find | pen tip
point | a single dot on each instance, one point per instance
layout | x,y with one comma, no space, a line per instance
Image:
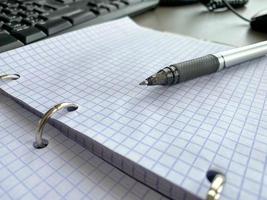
145,82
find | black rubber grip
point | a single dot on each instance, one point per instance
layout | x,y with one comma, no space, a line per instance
197,67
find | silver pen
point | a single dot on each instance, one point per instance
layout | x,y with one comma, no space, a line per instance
208,64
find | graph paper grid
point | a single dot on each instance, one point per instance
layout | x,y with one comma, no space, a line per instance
166,137
64,170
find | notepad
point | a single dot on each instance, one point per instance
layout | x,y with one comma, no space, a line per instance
165,137
64,170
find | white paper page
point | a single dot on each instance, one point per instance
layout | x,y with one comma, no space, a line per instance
217,121
64,170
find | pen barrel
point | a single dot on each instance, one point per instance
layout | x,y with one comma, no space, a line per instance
194,68
242,54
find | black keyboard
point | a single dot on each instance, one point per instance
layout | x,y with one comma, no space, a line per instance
26,21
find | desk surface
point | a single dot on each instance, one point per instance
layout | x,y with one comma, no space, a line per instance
196,21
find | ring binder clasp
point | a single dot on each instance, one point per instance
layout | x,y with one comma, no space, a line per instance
9,77
216,187
39,141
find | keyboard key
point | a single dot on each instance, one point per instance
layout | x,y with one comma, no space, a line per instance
2,30
59,14
29,35
8,42
99,11
12,25
54,26
108,7
31,21
10,11
9,4
55,6
28,13
65,1
92,3
9,17
42,10
39,4
80,17
130,2
4,18
28,7
118,4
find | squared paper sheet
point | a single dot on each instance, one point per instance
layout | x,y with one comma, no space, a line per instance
64,170
176,133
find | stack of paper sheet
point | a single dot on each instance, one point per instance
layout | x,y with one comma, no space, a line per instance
64,170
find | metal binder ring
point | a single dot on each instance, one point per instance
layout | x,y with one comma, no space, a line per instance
10,77
39,141
216,187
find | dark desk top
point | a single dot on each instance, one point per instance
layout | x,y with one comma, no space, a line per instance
196,21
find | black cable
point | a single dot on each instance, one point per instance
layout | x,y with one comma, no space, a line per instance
234,11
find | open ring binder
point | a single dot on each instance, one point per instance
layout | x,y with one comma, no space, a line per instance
9,77
39,141
216,187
